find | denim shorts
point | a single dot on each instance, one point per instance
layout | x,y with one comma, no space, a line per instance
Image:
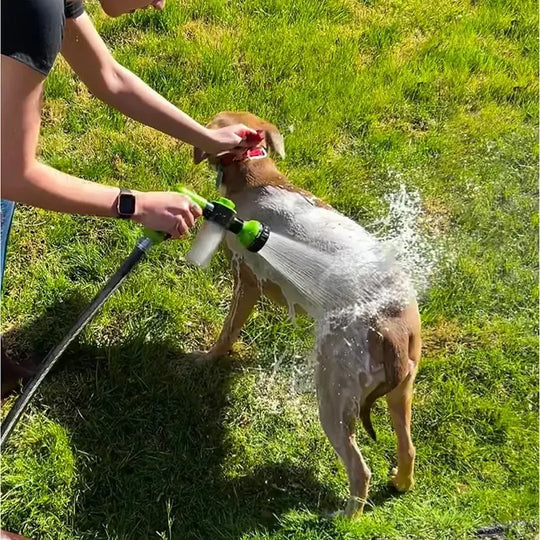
6,216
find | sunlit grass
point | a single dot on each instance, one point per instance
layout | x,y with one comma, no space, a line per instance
130,439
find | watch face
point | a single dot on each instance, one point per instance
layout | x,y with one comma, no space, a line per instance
126,204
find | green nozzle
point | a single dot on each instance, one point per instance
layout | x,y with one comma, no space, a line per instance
221,211
196,198
155,236
249,232
226,202
253,235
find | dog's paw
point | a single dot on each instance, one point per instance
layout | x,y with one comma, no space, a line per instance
204,357
335,514
353,509
401,483
218,352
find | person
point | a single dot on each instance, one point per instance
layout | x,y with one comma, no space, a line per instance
33,33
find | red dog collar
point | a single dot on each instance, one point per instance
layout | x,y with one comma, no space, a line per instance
246,154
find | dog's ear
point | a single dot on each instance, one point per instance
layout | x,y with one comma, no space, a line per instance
274,140
198,155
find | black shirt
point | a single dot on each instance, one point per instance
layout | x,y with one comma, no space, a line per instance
32,30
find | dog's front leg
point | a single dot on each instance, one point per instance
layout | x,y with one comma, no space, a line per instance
245,296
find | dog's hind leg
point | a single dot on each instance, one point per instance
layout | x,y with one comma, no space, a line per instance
399,404
337,414
245,296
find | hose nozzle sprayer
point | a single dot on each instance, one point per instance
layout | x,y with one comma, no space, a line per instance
220,216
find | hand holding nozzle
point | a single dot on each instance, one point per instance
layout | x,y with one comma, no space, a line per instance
171,213
221,212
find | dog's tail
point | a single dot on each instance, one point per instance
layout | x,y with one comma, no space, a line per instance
389,343
365,409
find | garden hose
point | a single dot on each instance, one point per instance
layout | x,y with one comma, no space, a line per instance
251,234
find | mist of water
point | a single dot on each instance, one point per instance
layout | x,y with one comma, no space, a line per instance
329,281
360,280
404,232
305,267
398,264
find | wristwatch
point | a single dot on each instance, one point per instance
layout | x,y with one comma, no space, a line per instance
125,204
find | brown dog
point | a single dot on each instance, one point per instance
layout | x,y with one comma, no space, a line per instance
360,357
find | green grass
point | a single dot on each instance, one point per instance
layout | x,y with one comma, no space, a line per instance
128,438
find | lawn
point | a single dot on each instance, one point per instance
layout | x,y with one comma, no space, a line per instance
129,438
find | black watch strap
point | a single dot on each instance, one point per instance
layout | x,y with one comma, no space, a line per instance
125,204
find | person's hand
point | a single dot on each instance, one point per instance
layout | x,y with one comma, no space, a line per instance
158,4
226,138
166,211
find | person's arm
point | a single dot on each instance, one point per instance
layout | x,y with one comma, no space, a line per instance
25,179
90,58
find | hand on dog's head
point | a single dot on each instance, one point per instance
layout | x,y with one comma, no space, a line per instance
272,137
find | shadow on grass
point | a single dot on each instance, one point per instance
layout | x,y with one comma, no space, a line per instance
150,431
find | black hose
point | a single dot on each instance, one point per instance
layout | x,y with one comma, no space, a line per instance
50,360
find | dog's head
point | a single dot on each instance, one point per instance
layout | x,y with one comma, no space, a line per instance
273,139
